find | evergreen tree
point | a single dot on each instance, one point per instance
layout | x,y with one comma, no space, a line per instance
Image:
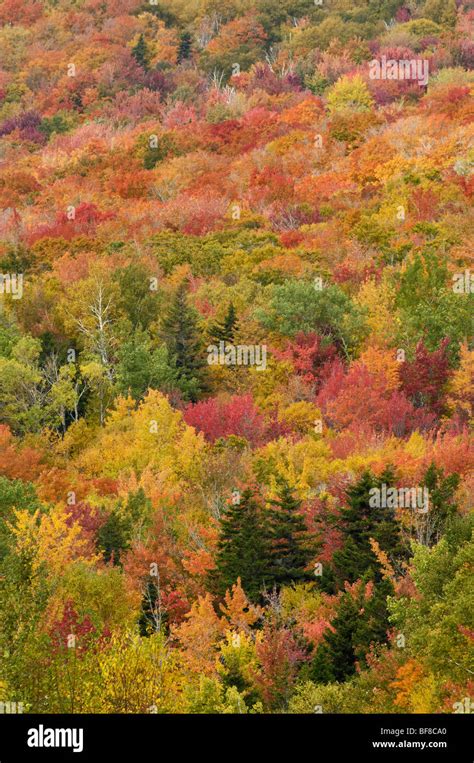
291,546
373,624
140,52
335,657
359,522
359,622
185,44
243,549
180,333
224,331
113,538
140,367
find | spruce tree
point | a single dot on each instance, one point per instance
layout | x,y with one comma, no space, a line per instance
335,657
180,333
140,52
360,622
359,522
291,544
113,538
243,549
224,331
185,44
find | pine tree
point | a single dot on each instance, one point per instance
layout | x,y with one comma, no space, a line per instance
373,624
140,52
243,549
113,538
360,622
359,522
291,546
180,333
225,330
185,44
335,657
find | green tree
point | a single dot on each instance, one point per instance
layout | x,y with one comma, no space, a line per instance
185,46
442,506
441,12
243,549
291,544
299,306
180,332
140,367
335,657
361,620
140,52
429,308
113,538
20,387
224,330
63,396
136,299
438,621
360,522
24,646
14,494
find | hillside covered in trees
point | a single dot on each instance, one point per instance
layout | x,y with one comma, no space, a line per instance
236,356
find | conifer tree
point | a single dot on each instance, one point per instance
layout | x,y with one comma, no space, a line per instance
185,44
291,544
180,333
140,52
243,549
224,331
335,657
359,522
113,538
360,622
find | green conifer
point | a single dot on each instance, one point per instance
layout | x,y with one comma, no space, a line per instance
140,52
224,331
243,548
291,545
180,333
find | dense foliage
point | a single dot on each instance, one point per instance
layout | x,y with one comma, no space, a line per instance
236,356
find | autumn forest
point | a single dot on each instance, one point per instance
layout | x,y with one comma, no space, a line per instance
236,356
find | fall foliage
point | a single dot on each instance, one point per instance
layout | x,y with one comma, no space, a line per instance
236,356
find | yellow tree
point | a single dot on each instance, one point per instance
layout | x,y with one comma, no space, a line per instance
238,612
461,387
199,636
